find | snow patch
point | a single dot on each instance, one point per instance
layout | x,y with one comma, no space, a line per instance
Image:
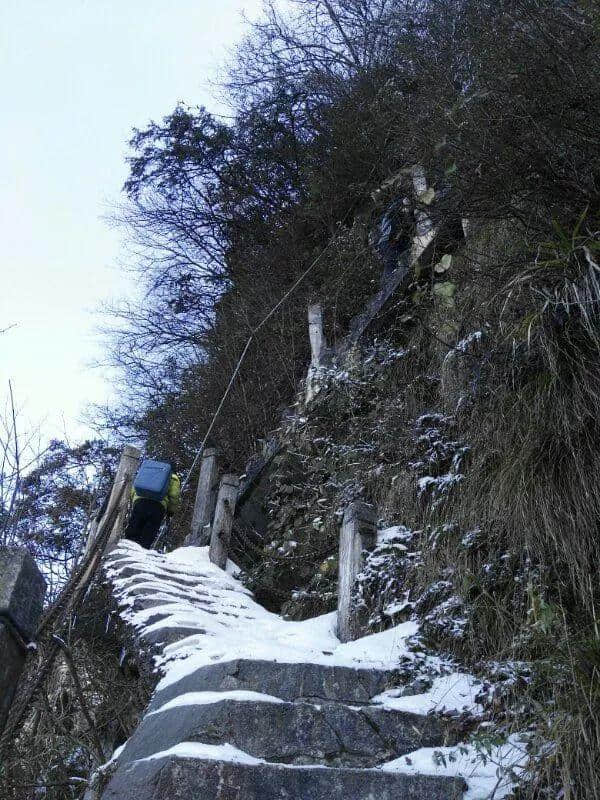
208,698
229,623
205,752
455,692
488,773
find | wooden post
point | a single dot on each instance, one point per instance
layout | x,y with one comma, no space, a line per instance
359,533
223,522
128,466
426,230
315,332
419,180
318,350
126,469
206,498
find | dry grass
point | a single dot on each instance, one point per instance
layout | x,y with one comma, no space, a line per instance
533,488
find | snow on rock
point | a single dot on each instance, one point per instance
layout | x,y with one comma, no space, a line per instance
490,772
206,698
395,535
192,614
466,344
398,606
206,752
218,620
455,692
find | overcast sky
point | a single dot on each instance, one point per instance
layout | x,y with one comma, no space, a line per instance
75,77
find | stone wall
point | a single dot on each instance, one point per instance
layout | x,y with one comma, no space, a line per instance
22,591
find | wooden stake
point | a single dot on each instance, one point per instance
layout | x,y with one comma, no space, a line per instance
126,469
315,332
223,522
128,466
359,533
206,498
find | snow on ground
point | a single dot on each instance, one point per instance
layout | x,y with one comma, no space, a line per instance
454,692
488,773
223,622
383,649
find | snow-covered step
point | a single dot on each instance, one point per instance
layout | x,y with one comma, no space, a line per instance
265,727
206,616
193,771
282,680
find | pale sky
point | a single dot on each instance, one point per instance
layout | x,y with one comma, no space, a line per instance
75,77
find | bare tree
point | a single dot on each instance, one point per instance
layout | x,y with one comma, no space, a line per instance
20,451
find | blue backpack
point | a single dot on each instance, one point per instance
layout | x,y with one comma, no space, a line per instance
152,480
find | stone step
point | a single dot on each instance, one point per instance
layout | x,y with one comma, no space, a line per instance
174,776
328,733
137,573
288,681
161,637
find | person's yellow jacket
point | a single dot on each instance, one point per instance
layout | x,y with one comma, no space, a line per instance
172,500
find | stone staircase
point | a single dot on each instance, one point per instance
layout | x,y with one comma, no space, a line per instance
313,735
227,727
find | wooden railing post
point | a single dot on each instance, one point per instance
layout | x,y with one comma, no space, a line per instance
318,351
359,533
223,521
126,469
426,230
22,590
128,466
316,335
206,498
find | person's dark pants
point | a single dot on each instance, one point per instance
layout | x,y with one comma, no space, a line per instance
144,522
